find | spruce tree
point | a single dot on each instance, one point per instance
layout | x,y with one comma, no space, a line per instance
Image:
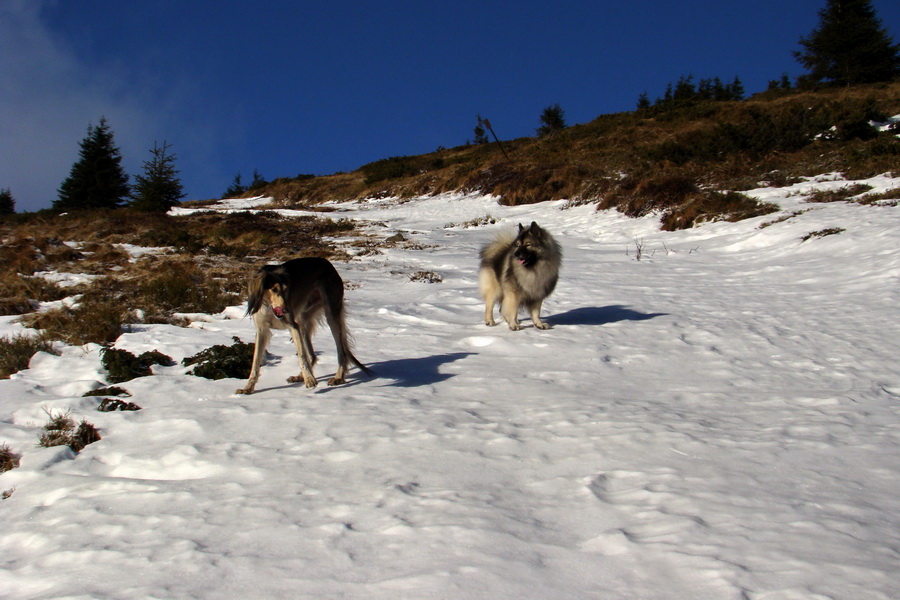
643,101
159,188
7,203
552,119
236,188
479,131
97,180
258,181
849,46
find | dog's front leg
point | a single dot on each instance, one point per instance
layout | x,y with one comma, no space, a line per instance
259,353
535,309
306,362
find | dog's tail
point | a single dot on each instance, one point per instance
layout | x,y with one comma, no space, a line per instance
361,366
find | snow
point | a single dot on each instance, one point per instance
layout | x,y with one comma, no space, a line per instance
720,419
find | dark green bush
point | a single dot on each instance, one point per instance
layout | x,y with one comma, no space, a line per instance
399,166
114,404
107,391
221,361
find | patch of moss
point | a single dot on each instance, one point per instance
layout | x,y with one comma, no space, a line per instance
125,366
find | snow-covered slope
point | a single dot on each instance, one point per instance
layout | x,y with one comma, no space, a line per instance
719,419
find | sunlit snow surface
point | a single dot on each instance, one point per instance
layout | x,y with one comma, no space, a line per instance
718,420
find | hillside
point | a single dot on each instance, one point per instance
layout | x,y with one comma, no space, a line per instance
671,157
714,414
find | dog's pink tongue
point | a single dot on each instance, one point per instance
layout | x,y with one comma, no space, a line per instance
279,312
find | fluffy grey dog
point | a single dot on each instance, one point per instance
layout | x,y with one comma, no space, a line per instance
519,269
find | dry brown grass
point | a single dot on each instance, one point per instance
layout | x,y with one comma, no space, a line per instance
16,352
203,267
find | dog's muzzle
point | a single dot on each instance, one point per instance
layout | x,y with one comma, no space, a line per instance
279,312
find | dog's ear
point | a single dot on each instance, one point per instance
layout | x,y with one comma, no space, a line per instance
521,229
535,229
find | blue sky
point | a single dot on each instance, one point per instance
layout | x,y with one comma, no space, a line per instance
300,87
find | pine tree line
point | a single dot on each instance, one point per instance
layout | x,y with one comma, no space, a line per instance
98,181
686,92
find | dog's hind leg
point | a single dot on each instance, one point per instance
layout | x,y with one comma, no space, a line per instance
334,315
304,352
263,335
490,291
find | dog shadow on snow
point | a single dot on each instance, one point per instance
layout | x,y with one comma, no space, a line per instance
402,372
415,372
597,315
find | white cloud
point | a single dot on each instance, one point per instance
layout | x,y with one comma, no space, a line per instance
47,100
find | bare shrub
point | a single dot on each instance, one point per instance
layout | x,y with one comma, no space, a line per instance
426,277
95,319
60,430
180,286
715,206
9,460
839,195
886,198
822,233
107,391
114,404
637,196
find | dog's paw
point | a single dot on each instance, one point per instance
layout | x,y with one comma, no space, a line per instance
542,325
336,381
515,327
243,391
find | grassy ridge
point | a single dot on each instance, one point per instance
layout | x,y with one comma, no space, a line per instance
627,160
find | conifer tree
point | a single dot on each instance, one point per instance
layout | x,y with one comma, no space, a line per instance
159,188
479,131
7,203
552,119
849,46
97,180
258,181
236,188
643,101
